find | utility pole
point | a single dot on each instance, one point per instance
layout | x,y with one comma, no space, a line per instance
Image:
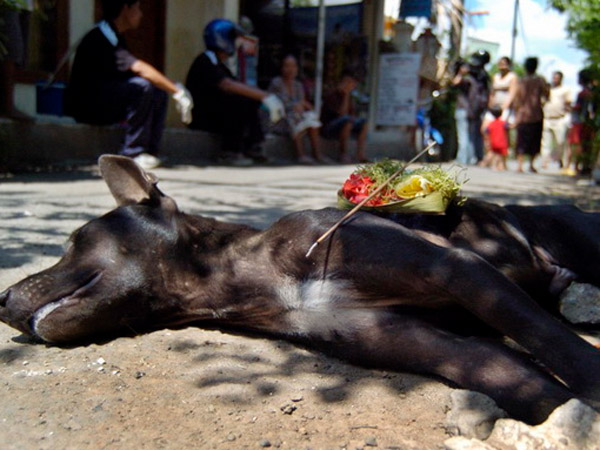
514,31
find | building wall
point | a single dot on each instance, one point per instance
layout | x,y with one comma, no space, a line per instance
81,19
184,24
185,21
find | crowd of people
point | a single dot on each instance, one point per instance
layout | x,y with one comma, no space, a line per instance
547,122
109,85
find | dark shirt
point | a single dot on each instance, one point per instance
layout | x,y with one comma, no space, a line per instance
97,68
583,110
203,81
462,92
479,94
332,103
529,99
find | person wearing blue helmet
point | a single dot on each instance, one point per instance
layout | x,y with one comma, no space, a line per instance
222,104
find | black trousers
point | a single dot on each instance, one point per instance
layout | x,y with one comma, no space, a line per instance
136,104
235,118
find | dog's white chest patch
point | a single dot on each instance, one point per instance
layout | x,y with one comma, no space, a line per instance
311,294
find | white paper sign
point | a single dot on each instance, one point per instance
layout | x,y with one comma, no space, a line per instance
398,88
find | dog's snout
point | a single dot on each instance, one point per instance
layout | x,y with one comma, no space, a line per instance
4,297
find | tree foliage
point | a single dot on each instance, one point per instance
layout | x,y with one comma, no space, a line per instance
583,24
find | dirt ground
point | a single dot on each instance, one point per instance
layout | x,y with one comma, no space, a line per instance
194,388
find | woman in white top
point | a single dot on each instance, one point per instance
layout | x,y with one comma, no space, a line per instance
504,86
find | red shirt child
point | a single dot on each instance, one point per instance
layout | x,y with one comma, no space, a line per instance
498,134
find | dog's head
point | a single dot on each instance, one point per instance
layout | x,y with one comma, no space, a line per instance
112,275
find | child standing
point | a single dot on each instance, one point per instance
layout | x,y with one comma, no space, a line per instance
581,133
497,133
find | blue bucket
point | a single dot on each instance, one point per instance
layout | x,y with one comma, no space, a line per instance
50,98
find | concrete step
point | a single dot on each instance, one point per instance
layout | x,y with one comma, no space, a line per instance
59,142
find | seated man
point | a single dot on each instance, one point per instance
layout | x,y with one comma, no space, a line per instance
339,121
224,105
109,85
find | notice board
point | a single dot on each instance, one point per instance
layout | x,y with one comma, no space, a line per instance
398,88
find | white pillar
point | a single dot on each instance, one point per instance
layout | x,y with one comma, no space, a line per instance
320,57
377,26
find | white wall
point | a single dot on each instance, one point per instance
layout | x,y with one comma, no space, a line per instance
81,19
185,22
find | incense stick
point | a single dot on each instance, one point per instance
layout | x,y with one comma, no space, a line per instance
369,197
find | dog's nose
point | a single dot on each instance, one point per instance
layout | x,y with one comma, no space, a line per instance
4,297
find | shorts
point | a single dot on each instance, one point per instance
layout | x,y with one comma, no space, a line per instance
574,136
333,129
529,138
580,133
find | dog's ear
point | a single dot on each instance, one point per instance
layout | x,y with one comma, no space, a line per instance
128,182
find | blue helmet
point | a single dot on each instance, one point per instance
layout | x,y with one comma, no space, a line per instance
220,34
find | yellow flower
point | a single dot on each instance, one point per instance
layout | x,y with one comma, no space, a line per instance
414,186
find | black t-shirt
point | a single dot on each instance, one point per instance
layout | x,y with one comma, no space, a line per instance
97,68
479,93
332,101
202,81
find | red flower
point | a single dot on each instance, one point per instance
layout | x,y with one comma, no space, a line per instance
356,189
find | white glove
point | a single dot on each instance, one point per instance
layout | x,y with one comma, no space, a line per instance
275,107
184,103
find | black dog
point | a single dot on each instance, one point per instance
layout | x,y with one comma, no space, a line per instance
428,294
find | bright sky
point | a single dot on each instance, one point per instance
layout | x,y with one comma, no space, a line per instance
541,33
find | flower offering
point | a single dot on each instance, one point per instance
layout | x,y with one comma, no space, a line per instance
422,190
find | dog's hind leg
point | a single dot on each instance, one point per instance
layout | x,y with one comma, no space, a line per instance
397,342
389,263
416,272
485,292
